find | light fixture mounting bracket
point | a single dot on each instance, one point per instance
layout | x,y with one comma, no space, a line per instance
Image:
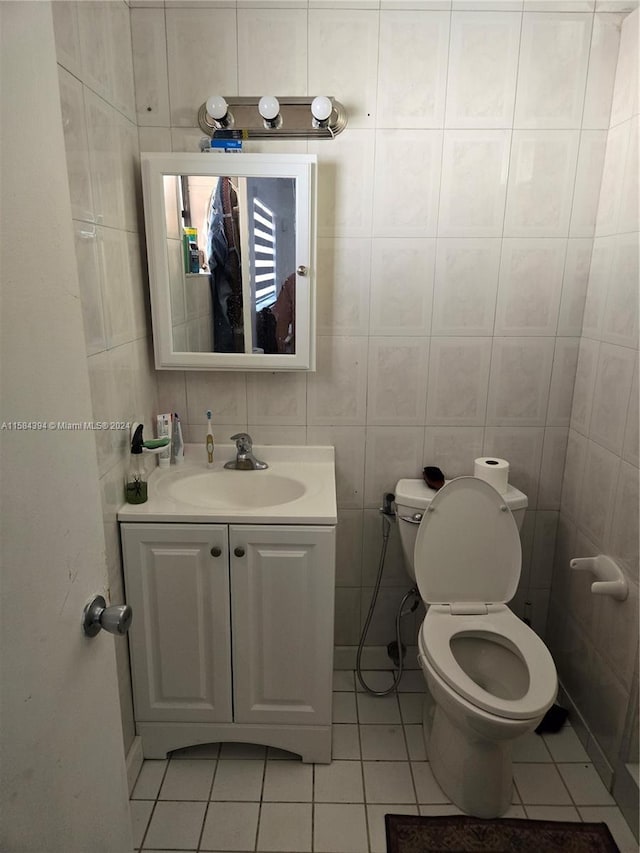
296,120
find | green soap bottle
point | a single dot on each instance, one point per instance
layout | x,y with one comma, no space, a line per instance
136,486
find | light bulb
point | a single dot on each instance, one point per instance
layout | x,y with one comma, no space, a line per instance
321,108
268,107
217,107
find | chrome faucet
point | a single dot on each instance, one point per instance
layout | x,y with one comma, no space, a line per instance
245,460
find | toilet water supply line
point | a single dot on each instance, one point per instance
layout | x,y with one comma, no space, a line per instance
387,512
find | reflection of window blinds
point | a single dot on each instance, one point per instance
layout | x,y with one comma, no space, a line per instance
264,246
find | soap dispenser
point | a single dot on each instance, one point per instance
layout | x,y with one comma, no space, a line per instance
136,488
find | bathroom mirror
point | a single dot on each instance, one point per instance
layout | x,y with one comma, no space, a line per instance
231,248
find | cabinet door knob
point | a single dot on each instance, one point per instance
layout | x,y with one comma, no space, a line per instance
239,552
215,551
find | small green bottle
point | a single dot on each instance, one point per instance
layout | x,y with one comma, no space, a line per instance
136,486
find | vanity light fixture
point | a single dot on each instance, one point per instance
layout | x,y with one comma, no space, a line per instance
320,117
269,109
217,108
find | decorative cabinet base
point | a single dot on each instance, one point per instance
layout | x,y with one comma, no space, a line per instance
312,743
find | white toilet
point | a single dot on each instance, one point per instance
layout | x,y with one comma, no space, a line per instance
491,679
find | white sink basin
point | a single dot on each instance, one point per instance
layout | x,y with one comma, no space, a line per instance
298,487
235,489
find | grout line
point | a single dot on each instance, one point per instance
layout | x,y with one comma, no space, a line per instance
206,810
264,775
364,787
155,803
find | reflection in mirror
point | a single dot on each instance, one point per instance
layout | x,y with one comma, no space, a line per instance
231,250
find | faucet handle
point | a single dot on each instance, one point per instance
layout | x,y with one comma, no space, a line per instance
244,442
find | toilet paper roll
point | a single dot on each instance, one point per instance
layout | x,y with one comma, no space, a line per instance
493,471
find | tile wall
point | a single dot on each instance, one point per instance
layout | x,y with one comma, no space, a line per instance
457,215
595,639
93,45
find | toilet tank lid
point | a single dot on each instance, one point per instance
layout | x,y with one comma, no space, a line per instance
416,494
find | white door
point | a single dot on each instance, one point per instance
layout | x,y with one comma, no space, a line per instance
63,785
177,581
282,598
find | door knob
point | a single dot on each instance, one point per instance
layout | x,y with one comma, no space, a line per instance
215,551
239,552
115,619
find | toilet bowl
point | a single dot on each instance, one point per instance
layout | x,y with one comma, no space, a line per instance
490,678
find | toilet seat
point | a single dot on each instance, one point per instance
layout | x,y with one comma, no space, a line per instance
440,627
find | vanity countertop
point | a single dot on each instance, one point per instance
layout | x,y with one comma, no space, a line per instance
298,487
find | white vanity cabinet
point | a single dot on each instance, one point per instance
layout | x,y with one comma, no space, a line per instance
232,636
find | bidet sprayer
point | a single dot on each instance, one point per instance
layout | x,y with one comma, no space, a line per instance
387,507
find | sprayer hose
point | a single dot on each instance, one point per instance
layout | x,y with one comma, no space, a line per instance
386,530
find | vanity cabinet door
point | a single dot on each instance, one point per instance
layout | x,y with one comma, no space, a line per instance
177,582
282,591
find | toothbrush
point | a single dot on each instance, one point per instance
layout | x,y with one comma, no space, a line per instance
177,444
210,443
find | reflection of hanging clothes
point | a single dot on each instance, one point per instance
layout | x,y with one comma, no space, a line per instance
223,253
284,310
266,331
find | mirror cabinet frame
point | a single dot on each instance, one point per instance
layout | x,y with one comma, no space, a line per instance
300,167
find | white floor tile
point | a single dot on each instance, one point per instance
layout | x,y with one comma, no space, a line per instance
242,750
140,813
411,708
344,708
288,782
540,785
585,786
175,826
343,680
238,780
415,743
443,809
346,741
385,781
375,679
531,747
275,754
188,780
200,750
554,780
383,743
372,709
230,826
285,827
339,829
412,681
612,816
149,780
565,745
338,782
427,788
552,813
375,819
516,811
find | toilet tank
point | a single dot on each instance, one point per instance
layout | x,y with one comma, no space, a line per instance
414,496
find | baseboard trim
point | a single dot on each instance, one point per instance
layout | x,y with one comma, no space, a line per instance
134,761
